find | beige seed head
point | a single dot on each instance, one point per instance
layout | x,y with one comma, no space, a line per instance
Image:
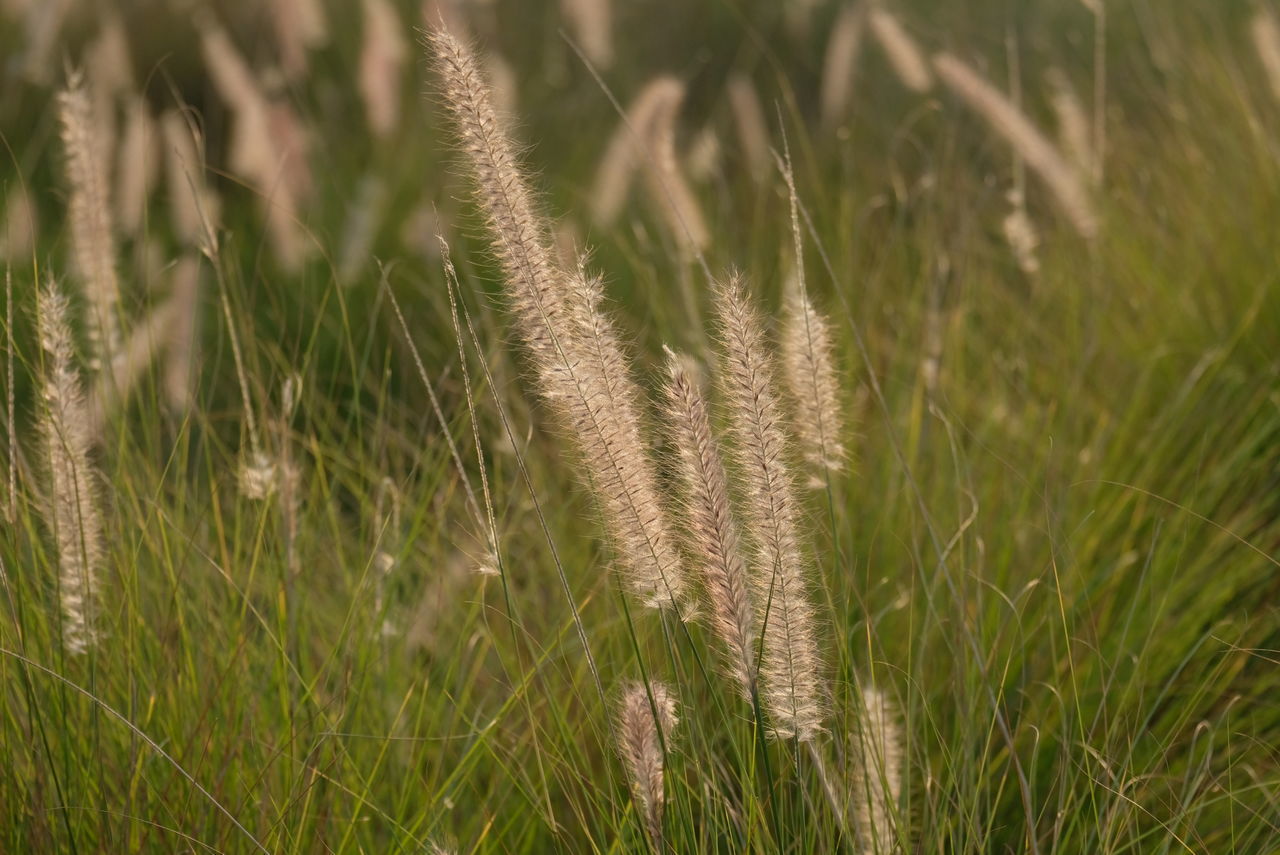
875,754
1064,182
709,521
625,151
591,22
839,66
793,689
73,511
641,748
904,55
753,131
89,216
808,364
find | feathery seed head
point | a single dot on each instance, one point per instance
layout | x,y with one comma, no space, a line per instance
794,690
89,216
875,752
581,365
73,512
808,364
641,747
709,521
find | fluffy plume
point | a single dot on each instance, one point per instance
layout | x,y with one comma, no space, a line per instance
713,532
1021,235
73,501
1265,30
136,172
641,748
90,220
667,187
808,364
592,24
1074,134
790,669
748,117
382,59
903,53
268,147
192,204
1026,140
875,755
581,366
625,150
840,63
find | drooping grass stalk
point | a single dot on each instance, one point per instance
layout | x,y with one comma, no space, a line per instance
89,218
646,721
793,688
904,55
748,119
136,172
73,504
382,57
839,64
581,367
622,155
1041,156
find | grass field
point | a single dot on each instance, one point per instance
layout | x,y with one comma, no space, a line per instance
1051,549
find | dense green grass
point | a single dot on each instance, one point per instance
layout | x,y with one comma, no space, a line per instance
1060,563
